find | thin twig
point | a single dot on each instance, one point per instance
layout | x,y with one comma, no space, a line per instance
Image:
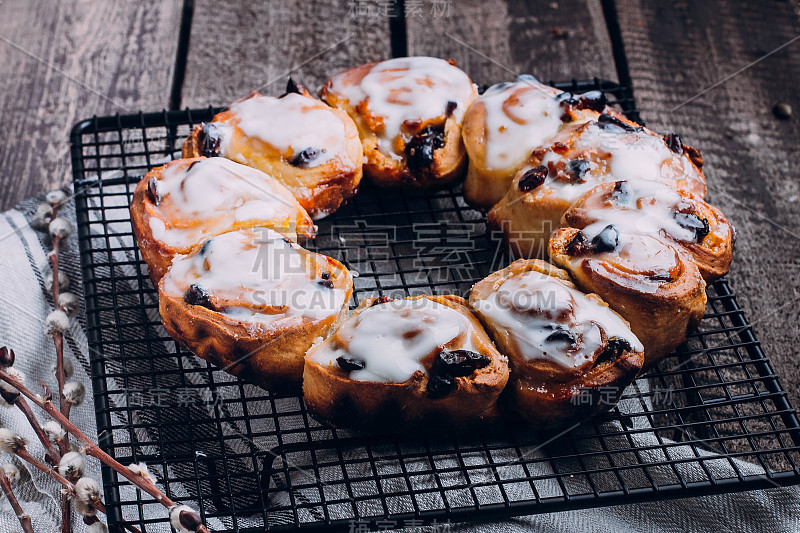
92,449
24,519
66,514
25,455
58,341
69,486
53,456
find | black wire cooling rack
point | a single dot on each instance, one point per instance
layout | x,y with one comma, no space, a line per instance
252,460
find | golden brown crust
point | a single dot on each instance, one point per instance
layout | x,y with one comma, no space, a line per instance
449,162
527,216
331,395
547,395
484,187
158,255
321,189
661,314
525,222
272,357
713,255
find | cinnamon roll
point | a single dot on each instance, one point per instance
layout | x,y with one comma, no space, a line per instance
652,208
252,303
409,112
424,360
578,159
508,122
654,285
308,146
177,206
571,356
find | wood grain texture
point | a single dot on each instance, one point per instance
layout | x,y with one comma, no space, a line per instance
676,49
234,49
495,41
64,61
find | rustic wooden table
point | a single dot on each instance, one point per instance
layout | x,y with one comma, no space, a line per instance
710,70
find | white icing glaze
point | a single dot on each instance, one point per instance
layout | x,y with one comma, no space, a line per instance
212,195
407,89
631,155
646,259
261,277
520,116
291,124
646,207
393,338
530,306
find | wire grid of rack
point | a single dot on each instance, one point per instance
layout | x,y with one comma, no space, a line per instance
251,459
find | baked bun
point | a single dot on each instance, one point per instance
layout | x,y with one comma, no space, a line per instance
252,303
653,208
655,286
409,112
578,159
571,356
177,206
309,147
417,361
508,122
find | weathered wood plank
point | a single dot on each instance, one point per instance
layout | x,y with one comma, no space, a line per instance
67,60
235,49
677,49
495,41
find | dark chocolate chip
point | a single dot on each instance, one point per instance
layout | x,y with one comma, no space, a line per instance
451,364
294,87
594,100
674,143
327,283
693,222
622,193
567,99
532,178
609,123
607,240
561,336
439,386
660,276
380,300
694,155
576,169
209,140
204,249
577,245
451,106
152,191
460,362
325,275
197,295
419,149
304,158
613,350
349,364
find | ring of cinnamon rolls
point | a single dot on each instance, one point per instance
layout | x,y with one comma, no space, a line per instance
618,209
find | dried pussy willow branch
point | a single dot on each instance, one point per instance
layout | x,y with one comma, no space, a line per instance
182,517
